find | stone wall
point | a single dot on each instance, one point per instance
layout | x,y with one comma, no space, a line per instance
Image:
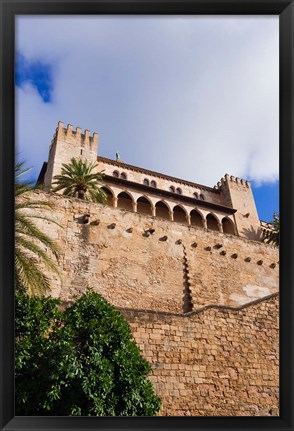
135,174
68,143
176,268
214,362
202,305
238,194
230,191
189,211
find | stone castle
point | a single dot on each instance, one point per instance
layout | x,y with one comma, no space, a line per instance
185,264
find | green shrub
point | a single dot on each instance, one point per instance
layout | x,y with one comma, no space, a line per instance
82,361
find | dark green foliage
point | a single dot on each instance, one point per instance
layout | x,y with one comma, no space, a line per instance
82,361
34,318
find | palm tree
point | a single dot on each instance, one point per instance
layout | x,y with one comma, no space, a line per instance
272,236
77,179
30,242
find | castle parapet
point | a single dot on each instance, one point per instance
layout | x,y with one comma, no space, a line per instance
76,136
230,178
68,143
236,193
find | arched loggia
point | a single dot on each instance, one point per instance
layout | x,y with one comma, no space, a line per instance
144,206
110,196
162,210
228,226
125,201
196,219
180,214
212,223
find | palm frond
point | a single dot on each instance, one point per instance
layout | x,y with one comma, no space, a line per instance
48,219
28,274
30,241
27,227
19,170
77,179
26,244
98,195
34,204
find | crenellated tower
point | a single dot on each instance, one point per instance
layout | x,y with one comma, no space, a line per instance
228,208
237,193
177,259
68,143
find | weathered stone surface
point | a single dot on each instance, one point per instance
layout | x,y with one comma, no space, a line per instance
212,361
217,362
132,270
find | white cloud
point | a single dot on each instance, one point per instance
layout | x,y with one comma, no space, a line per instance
35,124
193,97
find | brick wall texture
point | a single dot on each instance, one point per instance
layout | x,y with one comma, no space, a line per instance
221,357
215,362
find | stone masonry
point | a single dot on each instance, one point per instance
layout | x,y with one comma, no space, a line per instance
112,253
214,362
184,264
206,320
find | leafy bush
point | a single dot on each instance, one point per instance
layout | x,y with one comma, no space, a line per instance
82,361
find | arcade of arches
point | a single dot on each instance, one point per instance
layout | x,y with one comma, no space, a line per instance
178,214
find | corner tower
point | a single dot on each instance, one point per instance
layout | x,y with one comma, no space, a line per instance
66,144
237,193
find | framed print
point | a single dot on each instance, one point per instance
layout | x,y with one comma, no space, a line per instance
146,165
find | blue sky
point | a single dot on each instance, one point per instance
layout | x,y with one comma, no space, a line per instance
192,97
35,72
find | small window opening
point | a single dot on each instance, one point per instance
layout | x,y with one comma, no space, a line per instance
123,176
153,184
146,182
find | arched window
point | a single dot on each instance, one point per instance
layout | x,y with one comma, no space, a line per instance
144,206
153,184
109,196
201,197
212,223
179,191
125,201
179,214
228,226
162,210
172,189
115,174
123,176
146,182
196,219
195,195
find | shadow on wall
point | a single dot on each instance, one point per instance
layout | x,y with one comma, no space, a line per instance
85,232
253,234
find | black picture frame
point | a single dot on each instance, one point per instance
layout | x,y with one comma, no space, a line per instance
8,10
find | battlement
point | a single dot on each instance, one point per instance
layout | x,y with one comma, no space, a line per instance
184,263
75,136
231,192
66,144
231,179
